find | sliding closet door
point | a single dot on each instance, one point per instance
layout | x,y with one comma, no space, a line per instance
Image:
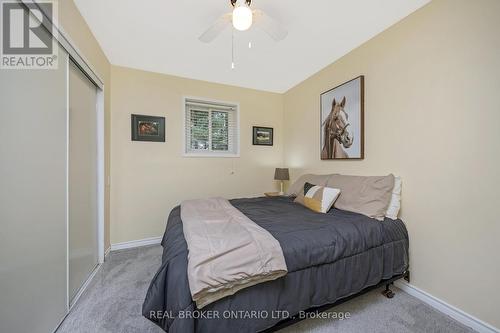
33,233
83,248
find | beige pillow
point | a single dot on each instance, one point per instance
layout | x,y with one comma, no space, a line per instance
369,196
298,186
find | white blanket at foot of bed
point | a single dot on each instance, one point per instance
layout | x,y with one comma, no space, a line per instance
227,251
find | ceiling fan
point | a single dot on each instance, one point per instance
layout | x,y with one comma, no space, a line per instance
242,18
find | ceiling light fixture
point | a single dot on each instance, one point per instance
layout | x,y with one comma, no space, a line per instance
242,15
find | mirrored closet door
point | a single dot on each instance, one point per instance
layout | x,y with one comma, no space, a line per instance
51,185
33,233
82,177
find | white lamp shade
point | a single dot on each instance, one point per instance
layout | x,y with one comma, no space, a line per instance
242,17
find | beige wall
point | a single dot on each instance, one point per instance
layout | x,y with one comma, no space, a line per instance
148,179
432,116
76,28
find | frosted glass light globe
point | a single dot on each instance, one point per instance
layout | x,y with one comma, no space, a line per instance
242,17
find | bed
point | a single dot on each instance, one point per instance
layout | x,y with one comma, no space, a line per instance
330,257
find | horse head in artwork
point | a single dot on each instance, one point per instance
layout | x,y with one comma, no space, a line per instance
336,132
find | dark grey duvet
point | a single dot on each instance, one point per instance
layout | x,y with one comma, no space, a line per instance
329,256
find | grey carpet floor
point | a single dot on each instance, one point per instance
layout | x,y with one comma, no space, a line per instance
112,303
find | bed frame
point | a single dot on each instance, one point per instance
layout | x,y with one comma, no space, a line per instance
387,292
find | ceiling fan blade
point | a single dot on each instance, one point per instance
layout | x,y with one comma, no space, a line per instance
269,25
211,33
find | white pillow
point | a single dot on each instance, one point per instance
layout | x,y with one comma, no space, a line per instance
395,204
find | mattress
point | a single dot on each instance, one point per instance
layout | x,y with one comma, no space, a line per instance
329,257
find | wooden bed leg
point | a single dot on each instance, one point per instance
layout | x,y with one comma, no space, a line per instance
388,292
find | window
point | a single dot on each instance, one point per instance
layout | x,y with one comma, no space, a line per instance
211,129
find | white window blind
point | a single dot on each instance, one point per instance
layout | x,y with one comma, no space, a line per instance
211,129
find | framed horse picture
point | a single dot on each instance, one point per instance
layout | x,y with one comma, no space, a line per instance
342,121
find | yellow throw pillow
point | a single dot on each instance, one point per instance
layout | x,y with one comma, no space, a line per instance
319,198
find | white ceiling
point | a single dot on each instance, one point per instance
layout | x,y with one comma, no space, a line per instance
162,36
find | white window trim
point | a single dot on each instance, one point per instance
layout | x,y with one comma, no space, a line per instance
209,154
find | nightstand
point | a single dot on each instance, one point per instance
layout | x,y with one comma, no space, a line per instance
273,194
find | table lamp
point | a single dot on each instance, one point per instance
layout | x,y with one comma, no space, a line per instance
281,174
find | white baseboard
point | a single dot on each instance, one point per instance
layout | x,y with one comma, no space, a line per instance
136,243
440,305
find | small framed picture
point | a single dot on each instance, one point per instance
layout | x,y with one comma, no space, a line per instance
262,136
148,128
